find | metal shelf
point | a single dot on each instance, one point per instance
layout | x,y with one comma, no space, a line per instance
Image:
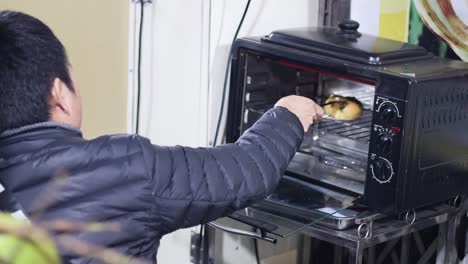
359,129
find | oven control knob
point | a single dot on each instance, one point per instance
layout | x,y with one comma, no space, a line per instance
388,113
384,143
382,170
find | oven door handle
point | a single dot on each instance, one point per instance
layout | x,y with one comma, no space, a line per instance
261,236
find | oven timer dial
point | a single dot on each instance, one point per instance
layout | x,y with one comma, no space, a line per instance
384,142
388,112
382,170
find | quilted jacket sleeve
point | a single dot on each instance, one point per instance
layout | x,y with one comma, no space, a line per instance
197,185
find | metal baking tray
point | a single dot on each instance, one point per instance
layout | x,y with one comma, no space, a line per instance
305,203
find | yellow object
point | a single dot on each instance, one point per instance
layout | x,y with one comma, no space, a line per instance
95,34
40,249
394,19
345,108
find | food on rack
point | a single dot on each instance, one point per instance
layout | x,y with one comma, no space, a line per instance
343,108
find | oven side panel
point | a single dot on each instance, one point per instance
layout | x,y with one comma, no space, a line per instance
234,113
384,173
437,164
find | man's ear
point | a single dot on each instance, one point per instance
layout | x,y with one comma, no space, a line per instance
58,99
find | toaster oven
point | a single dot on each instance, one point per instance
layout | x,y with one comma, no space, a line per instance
408,149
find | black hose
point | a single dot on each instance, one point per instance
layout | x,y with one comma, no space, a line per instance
226,74
140,38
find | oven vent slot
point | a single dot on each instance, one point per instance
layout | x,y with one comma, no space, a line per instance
443,107
442,117
440,97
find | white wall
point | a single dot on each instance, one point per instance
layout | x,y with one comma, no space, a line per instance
184,61
173,95
367,13
189,51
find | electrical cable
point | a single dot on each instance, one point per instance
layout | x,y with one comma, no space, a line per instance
226,74
199,245
140,38
206,245
223,97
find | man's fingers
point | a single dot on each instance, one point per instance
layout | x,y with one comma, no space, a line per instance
319,110
304,108
317,113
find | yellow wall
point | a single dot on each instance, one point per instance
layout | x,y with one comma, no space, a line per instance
394,19
95,33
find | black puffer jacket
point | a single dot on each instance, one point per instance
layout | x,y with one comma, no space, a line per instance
148,190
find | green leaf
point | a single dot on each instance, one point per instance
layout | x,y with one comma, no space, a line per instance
19,247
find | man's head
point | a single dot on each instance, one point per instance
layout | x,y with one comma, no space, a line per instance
35,81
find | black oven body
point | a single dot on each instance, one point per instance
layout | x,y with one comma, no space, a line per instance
418,136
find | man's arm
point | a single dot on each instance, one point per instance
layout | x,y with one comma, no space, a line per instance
197,185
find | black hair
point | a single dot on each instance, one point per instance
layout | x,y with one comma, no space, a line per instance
31,57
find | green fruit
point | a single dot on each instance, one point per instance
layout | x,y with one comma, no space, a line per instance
38,249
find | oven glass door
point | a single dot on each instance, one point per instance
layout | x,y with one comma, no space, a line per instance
334,152
327,174
298,207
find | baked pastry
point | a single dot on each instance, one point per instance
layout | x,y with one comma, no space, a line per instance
343,108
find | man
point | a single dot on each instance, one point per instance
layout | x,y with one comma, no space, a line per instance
148,190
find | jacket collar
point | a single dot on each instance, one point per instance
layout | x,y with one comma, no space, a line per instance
40,126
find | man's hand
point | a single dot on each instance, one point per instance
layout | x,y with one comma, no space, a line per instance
304,108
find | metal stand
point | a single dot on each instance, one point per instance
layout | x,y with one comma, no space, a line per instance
360,242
